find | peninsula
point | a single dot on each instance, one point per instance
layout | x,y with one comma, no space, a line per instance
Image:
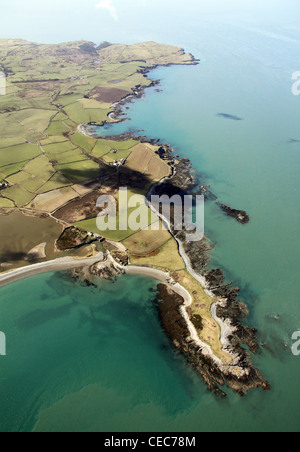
54,167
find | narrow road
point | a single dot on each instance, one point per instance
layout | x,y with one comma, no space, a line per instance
226,330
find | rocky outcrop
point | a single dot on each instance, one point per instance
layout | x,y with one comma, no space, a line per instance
241,378
73,237
241,375
239,215
108,268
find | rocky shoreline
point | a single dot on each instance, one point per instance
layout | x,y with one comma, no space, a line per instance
171,304
229,309
239,215
117,114
241,375
169,307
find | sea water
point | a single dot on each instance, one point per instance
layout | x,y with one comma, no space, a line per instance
80,358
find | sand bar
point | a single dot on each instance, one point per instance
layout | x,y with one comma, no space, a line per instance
65,263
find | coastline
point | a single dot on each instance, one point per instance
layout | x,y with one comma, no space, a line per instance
166,279
61,264
240,374
197,352
67,263
226,329
199,355
116,113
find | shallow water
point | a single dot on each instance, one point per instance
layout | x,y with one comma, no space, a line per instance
85,358
81,358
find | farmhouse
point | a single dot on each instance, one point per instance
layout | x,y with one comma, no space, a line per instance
118,163
3,184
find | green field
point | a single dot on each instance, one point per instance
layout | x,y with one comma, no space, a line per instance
6,203
167,257
19,195
53,140
122,154
51,89
120,235
116,236
79,171
18,153
83,142
120,145
74,155
58,128
144,243
61,147
40,167
56,181
7,170
100,149
81,115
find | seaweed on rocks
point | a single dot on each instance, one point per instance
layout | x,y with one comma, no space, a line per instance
239,215
169,306
229,309
198,252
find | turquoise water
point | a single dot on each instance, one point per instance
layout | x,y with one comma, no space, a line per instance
251,165
87,359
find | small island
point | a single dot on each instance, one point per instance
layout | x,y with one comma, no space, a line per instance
55,167
239,215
